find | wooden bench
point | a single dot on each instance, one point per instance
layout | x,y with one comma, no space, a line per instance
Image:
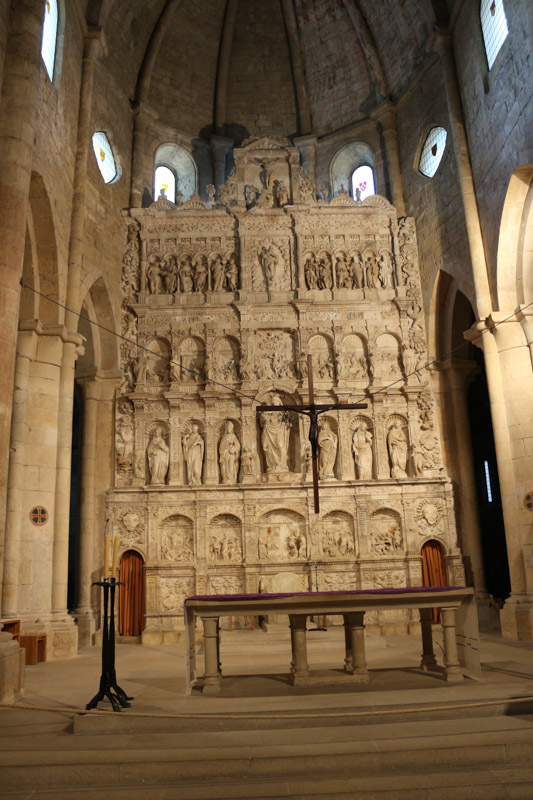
35,646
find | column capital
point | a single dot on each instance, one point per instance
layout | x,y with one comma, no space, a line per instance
94,44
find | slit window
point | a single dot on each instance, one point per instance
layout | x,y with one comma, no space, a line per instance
104,157
487,481
432,151
165,180
494,27
363,184
49,40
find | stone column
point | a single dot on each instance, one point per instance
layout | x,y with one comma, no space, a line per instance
212,674
220,147
141,119
299,668
459,375
307,146
385,116
18,113
444,46
428,660
451,659
84,611
26,352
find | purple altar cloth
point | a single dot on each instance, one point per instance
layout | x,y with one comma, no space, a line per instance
265,596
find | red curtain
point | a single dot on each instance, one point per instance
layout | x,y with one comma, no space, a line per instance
131,599
433,569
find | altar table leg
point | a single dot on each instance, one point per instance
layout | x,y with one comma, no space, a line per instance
428,661
299,668
354,623
451,659
212,675
348,661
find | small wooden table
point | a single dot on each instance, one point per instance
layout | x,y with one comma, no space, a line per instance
458,614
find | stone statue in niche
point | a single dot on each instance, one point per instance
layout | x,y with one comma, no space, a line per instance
362,451
169,273
186,275
385,271
124,441
327,443
247,461
244,367
158,457
356,271
229,451
325,280
371,271
311,272
128,379
217,274
153,275
342,273
272,264
409,361
139,369
275,437
200,273
397,445
232,274
193,450
281,194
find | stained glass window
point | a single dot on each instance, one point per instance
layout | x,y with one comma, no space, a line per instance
49,41
432,152
165,179
104,157
494,27
363,183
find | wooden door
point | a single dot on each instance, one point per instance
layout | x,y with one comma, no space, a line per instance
433,569
131,599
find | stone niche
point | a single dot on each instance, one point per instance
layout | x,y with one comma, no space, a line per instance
222,303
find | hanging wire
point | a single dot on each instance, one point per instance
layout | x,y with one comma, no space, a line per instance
231,389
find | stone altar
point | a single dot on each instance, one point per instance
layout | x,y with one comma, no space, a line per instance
222,302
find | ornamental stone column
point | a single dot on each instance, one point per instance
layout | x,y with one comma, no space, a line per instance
18,115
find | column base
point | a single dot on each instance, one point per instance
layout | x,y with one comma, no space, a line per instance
12,669
516,618
62,639
212,686
86,627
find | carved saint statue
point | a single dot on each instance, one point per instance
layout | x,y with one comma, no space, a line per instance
229,451
217,274
362,451
327,443
397,444
275,437
158,456
193,449
232,274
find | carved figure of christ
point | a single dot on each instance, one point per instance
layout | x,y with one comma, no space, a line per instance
313,411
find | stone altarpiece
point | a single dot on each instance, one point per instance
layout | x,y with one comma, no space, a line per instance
229,297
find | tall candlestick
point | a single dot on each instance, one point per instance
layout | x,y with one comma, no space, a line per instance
106,556
115,552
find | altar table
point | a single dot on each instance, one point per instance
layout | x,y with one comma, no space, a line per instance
456,603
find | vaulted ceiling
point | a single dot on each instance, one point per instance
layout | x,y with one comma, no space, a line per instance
238,67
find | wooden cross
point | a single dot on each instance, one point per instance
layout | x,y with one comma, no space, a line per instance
313,411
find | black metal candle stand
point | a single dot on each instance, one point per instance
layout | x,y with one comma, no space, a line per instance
108,680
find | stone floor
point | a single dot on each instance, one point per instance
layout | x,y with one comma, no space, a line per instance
255,666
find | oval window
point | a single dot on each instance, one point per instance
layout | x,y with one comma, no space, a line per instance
432,152
104,157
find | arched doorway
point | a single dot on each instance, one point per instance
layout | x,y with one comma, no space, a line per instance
131,599
433,569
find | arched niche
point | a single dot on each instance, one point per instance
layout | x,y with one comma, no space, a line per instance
387,358
338,535
157,361
345,162
386,535
282,536
328,447
192,438
224,539
157,452
131,619
321,349
182,165
354,358
191,359
363,448
176,539
226,352
229,449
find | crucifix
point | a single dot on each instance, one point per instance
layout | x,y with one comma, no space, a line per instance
313,411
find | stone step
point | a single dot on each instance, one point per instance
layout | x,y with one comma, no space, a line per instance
224,763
